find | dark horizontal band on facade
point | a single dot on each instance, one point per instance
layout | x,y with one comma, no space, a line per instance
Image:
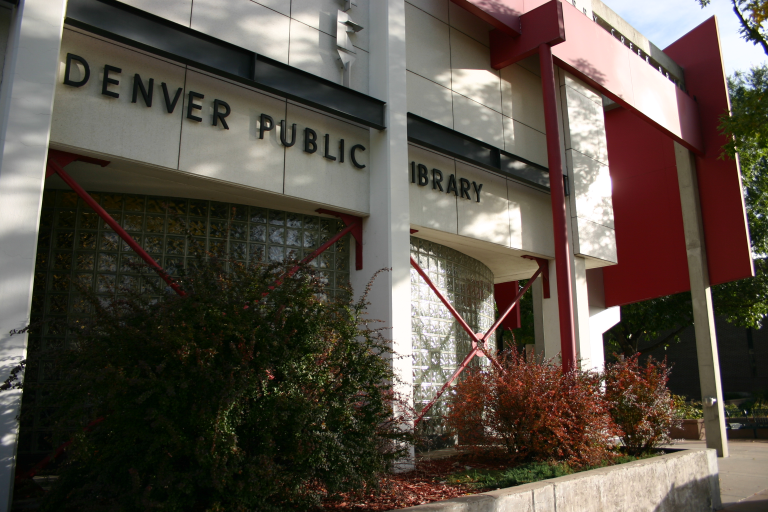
463,147
164,38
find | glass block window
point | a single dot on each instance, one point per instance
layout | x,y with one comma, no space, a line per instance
76,246
439,342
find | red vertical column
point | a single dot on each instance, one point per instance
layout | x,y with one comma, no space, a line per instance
559,214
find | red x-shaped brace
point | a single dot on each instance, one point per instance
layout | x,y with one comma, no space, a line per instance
478,339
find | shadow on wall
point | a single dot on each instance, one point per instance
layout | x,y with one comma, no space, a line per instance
699,495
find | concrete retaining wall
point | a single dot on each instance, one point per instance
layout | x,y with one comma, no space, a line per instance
684,481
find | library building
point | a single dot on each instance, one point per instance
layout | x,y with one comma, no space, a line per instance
483,151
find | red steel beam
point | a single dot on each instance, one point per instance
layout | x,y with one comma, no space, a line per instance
58,169
559,214
357,232
478,342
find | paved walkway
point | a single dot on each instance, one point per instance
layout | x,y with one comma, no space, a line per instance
743,475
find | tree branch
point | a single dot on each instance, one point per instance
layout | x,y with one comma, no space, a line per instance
663,341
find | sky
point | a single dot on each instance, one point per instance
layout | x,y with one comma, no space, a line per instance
664,21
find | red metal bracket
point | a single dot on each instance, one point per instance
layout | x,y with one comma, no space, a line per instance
356,224
544,267
56,162
478,341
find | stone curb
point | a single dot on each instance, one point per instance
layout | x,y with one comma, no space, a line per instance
685,481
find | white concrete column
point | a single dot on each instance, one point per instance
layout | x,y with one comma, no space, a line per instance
701,297
546,318
29,80
600,318
387,231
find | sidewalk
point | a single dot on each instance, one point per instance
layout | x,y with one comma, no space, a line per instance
743,475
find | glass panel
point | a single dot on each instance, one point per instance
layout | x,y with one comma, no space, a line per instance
276,235
258,253
176,206
89,220
112,201
219,210
66,219
134,203
238,231
198,208
293,238
61,277
258,215
239,212
177,225
65,239
258,233
109,241
154,205
107,262
155,223
218,229
153,244
174,246
276,254
133,222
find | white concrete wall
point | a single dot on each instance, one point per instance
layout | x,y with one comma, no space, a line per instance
450,81
301,33
29,78
86,120
510,216
586,157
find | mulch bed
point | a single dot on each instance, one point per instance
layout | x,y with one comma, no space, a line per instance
425,484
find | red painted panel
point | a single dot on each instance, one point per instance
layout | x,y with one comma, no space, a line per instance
598,58
549,28
594,55
722,202
647,213
505,293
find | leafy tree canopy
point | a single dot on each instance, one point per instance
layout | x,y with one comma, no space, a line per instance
752,15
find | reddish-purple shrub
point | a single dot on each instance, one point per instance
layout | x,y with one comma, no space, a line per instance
640,402
532,411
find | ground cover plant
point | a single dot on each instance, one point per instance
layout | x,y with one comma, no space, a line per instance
451,477
253,392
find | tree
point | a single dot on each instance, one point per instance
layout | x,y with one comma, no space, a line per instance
752,15
652,324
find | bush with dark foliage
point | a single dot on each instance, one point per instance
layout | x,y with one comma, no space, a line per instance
240,396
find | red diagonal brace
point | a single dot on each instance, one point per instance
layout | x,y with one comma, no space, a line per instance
56,162
544,266
317,252
478,342
357,232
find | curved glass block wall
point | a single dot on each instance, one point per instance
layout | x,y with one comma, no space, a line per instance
439,342
75,245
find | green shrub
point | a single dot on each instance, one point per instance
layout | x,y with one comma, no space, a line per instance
640,402
232,398
685,409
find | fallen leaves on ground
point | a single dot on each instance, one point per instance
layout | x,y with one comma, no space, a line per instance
424,484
